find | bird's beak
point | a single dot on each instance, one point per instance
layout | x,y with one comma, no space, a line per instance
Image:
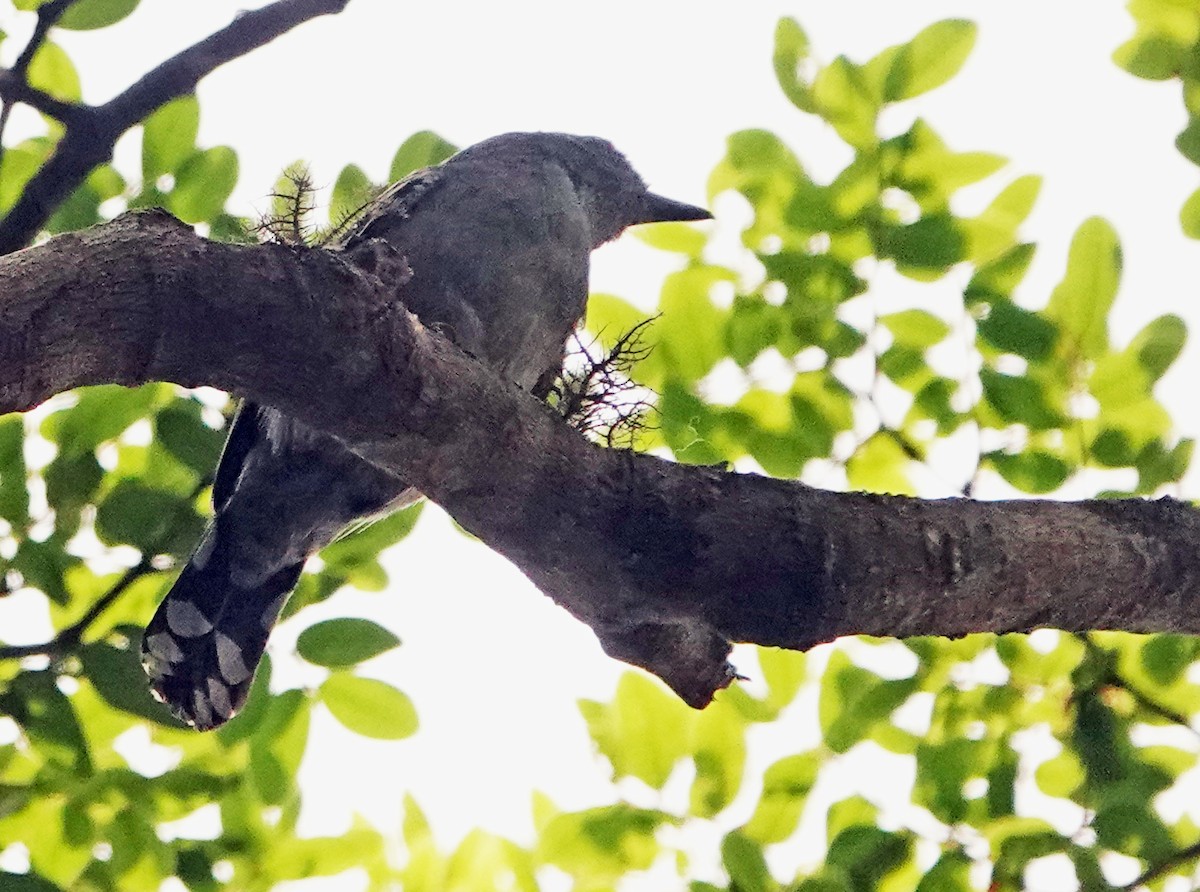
657,209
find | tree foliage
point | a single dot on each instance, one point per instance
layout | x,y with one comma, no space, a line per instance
1031,756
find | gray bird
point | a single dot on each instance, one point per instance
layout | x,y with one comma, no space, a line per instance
498,239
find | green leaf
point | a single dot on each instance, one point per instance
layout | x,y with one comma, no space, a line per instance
1151,56
355,550
744,861
203,183
71,482
1013,329
854,699
868,854
1189,214
14,491
690,331
916,328
26,882
143,516
181,430
952,871
1188,141
44,564
20,163
52,71
679,238
786,785
420,150
928,60
80,210
1020,399
791,49
277,746
934,243
295,858
100,414
86,15
1159,344
116,674
1031,471
879,465
1060,775
845,100
784,671
369,707
995,229
347,641
719,751
1166,657
643,731
34,701
601,844
999,277
286,201
1080,303
169,136
352,191
931,172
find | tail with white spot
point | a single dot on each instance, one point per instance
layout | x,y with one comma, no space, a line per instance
205,642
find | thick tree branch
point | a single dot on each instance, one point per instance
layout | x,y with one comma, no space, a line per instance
666,562
93,131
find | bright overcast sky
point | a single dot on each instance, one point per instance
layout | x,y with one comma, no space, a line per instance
666,81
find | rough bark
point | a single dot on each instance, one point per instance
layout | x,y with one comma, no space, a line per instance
667,563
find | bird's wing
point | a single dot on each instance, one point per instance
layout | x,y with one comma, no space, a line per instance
393,205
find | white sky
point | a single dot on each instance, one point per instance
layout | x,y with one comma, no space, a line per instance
666,81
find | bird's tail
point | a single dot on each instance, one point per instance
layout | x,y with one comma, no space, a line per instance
204,643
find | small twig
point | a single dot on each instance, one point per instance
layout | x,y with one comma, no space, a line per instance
48,15
84,147
1142,699
1183,856
67,639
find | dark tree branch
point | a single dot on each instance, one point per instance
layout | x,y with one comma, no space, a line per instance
667,563
14,88
47,15
92,132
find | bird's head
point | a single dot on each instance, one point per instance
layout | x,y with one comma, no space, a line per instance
610,190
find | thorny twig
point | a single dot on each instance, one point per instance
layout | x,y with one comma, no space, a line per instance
596,394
